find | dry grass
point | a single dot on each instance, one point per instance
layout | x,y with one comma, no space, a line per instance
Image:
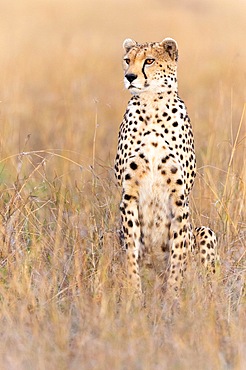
62,296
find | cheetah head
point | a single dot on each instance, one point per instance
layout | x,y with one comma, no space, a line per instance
151,66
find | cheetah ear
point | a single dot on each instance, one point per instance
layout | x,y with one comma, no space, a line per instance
171,47
128,44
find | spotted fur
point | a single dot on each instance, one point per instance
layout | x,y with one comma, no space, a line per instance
156,165
206,247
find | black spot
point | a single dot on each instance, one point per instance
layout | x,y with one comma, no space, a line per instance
174,110
174,170
147,133
179,182
130,223
164,160
133,165
127,197
128,176
179,203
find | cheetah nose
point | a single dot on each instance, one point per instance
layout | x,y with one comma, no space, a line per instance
131,77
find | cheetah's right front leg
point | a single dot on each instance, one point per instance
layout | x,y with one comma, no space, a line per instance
131,231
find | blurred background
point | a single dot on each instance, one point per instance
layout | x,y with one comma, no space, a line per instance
61,67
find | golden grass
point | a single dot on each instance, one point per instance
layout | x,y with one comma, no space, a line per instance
62,278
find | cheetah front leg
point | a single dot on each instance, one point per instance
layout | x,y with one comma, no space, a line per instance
179,243
132,238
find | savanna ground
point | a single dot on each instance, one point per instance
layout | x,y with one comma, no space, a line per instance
62,273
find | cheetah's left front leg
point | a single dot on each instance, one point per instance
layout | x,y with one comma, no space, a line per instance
179,242
131,230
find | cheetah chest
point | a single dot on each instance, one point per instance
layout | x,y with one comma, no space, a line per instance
156,140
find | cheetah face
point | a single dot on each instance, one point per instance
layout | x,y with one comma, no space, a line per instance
150,66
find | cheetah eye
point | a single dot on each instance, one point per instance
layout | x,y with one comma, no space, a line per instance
127,61
149,61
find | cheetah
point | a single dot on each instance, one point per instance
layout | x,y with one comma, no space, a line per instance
155,165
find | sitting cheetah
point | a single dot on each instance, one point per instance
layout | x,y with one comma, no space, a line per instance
156,166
